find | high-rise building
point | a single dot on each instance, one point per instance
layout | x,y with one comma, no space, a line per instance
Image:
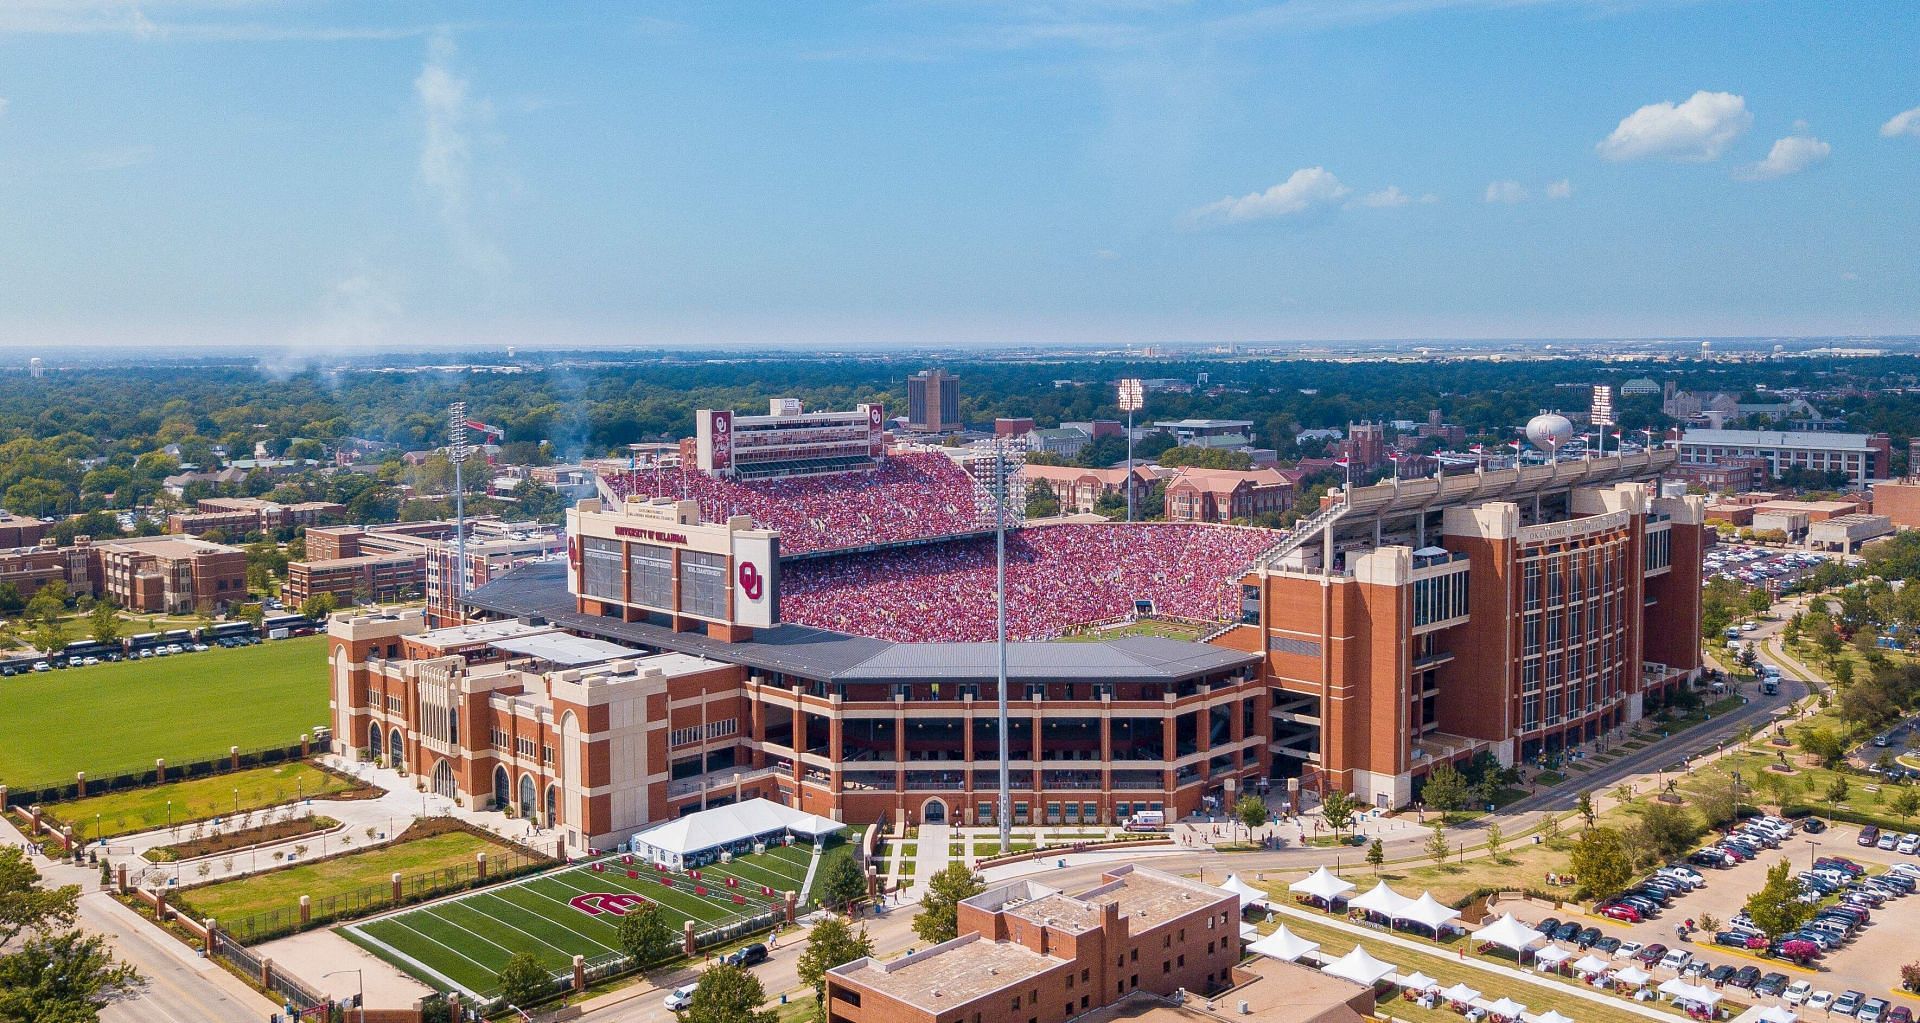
933,401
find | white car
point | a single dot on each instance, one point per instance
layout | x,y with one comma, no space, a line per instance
1627,950
681,997
1821,1001
1909,844
1797,992
1908,869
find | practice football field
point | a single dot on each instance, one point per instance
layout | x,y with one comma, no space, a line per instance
462,943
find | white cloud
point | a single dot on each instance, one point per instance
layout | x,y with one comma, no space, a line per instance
1698,130
1789,155
1906,122
446,152
1385,198
1306,189
1561,189
1508,192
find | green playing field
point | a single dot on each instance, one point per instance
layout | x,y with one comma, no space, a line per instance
462,943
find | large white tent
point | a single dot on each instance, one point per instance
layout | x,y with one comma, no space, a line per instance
1419,982
1592,964
1506,1007
1360,967
1382,900
1551,1016
1633,976
1552,955
1460,993
1508,932
1681,991
1429,911
1283,944
1322,884
736,827
1777,1014
1248,893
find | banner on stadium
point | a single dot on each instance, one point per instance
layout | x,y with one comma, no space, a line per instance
756,580
876,429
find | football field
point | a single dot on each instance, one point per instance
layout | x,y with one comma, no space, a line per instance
462,943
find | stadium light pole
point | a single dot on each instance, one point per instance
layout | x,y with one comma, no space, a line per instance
1133,397
1003,455
457,447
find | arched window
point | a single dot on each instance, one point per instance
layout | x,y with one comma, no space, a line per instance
553,806
443,783
527,798
374,744
453,726
394,745
502,788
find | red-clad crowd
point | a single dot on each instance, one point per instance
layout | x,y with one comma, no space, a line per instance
915,496
1057,577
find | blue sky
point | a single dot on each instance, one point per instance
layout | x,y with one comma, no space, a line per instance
331,176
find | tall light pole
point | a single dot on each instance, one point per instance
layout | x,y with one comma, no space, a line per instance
457,448
999,479
360,1000
1133,397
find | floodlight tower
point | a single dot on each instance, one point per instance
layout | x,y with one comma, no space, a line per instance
1133,397
457,449
997,464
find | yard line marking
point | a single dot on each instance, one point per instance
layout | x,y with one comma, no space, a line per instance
436,941
555,921
422,967
569,953
455,924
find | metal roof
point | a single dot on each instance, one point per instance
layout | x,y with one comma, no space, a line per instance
538,590
1778,439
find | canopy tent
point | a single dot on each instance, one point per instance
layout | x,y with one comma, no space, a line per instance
1248,893
1460,993
1550,1016
1552,955
1508,933
1592,964
1284,945
1322,884
1506,1007
1382,900
1778,1014
1360,967
1681,991
1428,911
1249,932
1419,982
1633,975
701,836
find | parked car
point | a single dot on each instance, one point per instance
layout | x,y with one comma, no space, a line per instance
1628,950
1548,926
1619,911
1849,1003
1797,992
1772,985
679,998
1813,825
1586,937
1799,950
1676,959
1607,945
1720,974
1874,1010
1869,835
1736,939
1651,954
1900,1014
1820,1001
1566,931
1887,841
1745,978
747,955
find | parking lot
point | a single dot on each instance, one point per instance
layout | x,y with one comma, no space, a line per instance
1759,566
1869,963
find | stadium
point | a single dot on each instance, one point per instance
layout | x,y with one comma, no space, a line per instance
822,637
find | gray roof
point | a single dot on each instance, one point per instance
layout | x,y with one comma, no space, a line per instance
1817,439
538,590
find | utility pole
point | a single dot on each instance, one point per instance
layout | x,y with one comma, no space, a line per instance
457,448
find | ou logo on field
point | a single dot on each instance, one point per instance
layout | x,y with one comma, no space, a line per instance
596,903
751,582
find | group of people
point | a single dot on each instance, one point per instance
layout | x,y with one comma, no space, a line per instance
914,496
1058,577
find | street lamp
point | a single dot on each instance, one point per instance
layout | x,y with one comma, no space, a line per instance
359,1000
1133,397
1813,853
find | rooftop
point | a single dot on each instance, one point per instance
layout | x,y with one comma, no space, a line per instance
1777,439
952,973
1274,992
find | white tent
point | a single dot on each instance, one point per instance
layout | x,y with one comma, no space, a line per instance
1552,955
1322,884
1681,991
1460,993
1419,982
1360,967
1550,1016
1249,932
1382,900
1248,893
1284,945
1428,911
1506,1007
1778,1014
1633,975
733,827
1508,933
1592,964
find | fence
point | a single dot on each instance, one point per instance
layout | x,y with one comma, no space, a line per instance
223,764
295,995
502,865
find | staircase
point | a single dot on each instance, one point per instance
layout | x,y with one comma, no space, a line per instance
1304,530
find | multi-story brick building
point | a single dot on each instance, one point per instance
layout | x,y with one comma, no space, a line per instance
1226,495
1862,457
21,531
29,568
170,574
350,560
237,516
377,577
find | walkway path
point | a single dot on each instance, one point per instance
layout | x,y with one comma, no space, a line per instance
933,852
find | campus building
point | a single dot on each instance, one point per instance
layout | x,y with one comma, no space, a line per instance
238,516
1862,457
1224,495
404,559
933,402
788,441
1029,952
169,574
1079,490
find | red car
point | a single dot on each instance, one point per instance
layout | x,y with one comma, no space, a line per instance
1620,911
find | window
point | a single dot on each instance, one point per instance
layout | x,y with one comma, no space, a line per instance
600,569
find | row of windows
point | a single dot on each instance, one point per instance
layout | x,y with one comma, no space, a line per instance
649,569
711,730
1659,551
1439,599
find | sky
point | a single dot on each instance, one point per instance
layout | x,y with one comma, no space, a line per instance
315,176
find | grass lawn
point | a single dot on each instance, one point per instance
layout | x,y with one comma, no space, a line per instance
116,718
233,901
1145,627
464,942
132,810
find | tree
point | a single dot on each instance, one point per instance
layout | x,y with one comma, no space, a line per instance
841,881
104,620
1586,808
1670,830
1338,809
49,637
318,606
1603,862
1437,843
1837,789
1252,811
1494,838
1824,744
728,994
1842,670
252,614
1716,801
1376,855
938,919
1906,802
523,981
832,943
645,935
1446,789
1776,908
50,971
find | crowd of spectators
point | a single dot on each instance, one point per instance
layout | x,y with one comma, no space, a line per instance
911,497
1058,577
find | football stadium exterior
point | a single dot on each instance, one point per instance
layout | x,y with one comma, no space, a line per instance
658,669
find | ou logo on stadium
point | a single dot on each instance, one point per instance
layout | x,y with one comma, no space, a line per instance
752,583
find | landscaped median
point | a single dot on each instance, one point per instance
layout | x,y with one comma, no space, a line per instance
227,797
